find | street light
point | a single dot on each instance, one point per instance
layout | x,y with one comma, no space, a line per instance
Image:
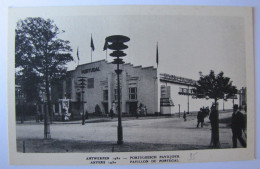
117,44
82,84
179,110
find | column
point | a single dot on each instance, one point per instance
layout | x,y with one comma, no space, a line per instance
110,90
63,88
73,91
59,107
124,92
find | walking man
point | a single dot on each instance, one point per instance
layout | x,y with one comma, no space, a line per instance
184,116
237,126
111,113
200,118
38,113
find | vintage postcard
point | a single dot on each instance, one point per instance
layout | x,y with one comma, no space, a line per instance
109,85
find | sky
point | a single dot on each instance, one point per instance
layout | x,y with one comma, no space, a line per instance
187,44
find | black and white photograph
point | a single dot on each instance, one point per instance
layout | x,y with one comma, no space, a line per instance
129,85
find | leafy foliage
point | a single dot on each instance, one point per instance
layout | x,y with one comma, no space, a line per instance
29,83
40,56
215,86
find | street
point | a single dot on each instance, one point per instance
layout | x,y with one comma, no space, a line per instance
157,130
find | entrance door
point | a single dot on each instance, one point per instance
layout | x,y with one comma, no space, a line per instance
105,106
133,108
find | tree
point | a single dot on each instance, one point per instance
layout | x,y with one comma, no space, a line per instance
40,53
215,87
29,82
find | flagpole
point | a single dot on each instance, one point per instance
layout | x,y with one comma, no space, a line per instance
91,55
158,81
78,54
105,48
92,47
157,56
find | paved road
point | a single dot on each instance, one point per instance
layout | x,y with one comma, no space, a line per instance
169,130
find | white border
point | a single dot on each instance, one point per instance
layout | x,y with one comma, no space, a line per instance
79,158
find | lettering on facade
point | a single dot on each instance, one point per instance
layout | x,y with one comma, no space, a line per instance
94,69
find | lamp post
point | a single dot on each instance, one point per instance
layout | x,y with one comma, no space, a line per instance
188,90
179,110
82,84
116,43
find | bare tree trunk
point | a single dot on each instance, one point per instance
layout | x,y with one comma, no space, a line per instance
47,133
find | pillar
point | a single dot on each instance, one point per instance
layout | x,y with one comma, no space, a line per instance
60,107
124,92
110,90
63,88
73,90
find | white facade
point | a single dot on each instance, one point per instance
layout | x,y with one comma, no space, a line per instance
191,104
138,85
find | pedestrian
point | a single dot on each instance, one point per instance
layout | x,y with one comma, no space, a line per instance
111,113
141,109
145,110
200,118
237,126
207,111
213,117
38,113
86,114
137,112
184,116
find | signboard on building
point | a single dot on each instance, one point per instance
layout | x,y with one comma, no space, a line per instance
94,69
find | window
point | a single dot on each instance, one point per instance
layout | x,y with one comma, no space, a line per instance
132,93
90,83
116,93
105,95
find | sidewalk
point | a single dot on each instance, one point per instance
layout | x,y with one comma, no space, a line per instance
96,120
124,118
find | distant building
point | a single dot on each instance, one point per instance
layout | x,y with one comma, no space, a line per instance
159,92
242,97
19,95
